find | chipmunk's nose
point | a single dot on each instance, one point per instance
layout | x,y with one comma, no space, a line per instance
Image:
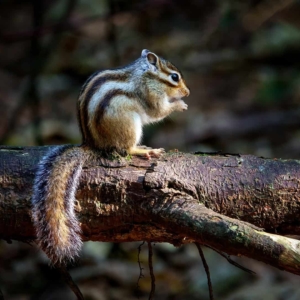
187,92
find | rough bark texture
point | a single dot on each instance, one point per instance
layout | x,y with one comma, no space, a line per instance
221,201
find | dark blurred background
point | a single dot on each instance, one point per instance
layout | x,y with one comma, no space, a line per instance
241,61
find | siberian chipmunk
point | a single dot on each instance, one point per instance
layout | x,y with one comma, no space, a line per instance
113,106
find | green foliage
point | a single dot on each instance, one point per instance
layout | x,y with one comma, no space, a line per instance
275,38
274,88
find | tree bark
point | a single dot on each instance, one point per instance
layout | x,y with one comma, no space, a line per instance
232,203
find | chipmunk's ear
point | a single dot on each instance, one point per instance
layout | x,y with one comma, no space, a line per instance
152,59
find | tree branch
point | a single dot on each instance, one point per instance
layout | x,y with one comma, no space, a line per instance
221,201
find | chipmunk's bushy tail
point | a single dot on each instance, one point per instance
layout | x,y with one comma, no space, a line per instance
57,228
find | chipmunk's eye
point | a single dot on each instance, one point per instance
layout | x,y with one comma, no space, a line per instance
175,77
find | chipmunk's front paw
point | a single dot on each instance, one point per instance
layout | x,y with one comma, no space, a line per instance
183,105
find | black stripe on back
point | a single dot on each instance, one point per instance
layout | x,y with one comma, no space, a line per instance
91,87
107,99
88,81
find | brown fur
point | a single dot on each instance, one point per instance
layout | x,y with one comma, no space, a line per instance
86,96
117,131
55,201
113,126
140,93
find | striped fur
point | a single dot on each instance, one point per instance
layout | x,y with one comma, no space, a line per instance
53,199
112,108
112,101
92,87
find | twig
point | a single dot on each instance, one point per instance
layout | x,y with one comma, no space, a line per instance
150,262
69,281
232,261
211,296
263,12
141,269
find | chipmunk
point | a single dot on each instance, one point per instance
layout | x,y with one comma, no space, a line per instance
112,107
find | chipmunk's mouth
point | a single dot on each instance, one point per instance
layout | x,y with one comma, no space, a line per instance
172,100
180,95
